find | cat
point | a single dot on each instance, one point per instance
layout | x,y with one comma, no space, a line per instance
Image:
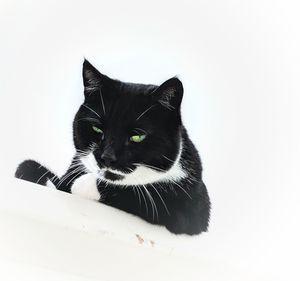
133,153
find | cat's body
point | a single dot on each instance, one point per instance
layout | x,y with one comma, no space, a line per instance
133,153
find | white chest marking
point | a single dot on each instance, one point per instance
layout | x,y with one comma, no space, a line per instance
144,175
86,186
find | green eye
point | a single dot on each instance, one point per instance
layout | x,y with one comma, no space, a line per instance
97,130
137,138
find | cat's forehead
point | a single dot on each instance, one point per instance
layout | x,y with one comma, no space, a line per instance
131,89
126,109
122,106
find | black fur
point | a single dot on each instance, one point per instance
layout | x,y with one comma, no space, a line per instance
122,110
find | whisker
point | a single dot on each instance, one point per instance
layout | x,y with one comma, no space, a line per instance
136,191
194,180
141,130
149,166
161,199
170,187
182,189
90,149
147,193
91,110
42,176
146,205
131,170
76,174
75,164
53,178
89,119
64,178
154,208
82,152
102,102
144,112
172,161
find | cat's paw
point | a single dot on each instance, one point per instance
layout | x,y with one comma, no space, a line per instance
86,186
32,171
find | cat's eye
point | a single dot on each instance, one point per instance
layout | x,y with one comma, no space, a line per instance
97,130
137,138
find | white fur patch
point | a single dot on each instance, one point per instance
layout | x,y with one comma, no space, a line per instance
90,163
50,184
142,175
86,186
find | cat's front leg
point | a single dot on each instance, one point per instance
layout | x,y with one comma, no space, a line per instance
86,186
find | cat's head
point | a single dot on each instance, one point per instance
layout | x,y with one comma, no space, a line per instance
128,133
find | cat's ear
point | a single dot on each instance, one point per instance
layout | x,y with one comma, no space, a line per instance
169,94
92,79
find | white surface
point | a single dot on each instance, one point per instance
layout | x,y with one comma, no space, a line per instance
239,62
58,235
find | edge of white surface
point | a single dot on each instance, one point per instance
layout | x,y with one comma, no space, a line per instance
71,211
51,230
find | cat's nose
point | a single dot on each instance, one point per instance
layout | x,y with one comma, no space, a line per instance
108,157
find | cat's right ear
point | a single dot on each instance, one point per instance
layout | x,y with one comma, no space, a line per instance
169,94
92,79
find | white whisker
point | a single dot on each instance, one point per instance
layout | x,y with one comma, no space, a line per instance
76,174
135,188
91,110
89,119
149,166
52,179
146,205
144,112
182,189
154,208
172,161
42,176
148,195
102,102
139,129
66,176
161,199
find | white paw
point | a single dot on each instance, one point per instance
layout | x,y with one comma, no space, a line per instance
86,186
50,184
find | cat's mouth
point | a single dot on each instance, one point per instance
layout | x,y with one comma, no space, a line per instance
112,176
106,173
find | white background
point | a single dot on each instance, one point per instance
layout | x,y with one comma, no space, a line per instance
240,65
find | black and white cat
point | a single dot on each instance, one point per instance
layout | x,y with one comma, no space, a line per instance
133,153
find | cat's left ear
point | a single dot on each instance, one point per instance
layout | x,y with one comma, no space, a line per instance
169,94
93,80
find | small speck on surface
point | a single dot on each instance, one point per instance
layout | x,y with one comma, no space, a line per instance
140,239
